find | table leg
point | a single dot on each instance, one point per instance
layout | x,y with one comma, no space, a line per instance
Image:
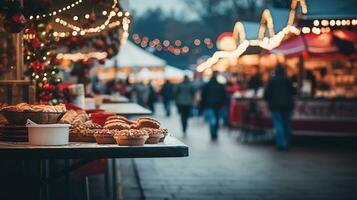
67,179
114,179
46,174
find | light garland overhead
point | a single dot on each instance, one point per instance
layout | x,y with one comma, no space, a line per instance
176,47
54,13
266,22
82,31
82,56
264,42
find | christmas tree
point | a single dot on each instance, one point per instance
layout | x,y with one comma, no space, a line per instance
40,59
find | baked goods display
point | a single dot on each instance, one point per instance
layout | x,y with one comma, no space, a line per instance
154,135
132,137
137,132
105,136
82,129
25,107
41,114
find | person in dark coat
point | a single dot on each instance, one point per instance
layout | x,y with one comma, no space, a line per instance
255,82
167,93
213,99
184,96
279,95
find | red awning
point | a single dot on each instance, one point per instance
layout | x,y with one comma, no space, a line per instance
322,45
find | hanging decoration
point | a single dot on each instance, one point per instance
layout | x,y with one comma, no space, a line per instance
14,21
176,47
40,59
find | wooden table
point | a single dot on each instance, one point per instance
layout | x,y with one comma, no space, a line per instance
87,152
126,109
172,147
115,99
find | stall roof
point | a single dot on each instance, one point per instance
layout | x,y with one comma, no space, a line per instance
131,55
323,45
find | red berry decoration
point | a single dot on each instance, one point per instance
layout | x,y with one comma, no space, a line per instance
92,18
101,61
14,23
36,43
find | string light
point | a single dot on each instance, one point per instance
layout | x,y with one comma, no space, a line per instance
82,56
99,27
53,13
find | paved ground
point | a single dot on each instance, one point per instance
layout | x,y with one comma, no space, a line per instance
314,168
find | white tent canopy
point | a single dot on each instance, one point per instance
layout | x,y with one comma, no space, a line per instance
173,72
133,56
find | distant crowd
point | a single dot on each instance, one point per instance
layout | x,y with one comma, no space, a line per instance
210,99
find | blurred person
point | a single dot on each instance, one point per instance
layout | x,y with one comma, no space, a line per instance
231,87
213,99
167,93
129,88
152,97
279,95
184,95
97,85
139,91
109,86
255,82
198,84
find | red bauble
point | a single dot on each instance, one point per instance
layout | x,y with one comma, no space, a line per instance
101,61
36,65
14,23
56,61
92,18
99,43
73,40
49,87
36,43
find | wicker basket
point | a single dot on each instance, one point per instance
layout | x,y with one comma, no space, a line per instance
19,118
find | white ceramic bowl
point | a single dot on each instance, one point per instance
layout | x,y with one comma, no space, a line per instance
48,134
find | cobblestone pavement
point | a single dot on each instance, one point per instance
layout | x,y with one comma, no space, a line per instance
227,169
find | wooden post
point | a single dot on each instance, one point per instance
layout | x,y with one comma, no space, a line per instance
19,54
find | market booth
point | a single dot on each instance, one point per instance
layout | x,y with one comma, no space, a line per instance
45,136
319,53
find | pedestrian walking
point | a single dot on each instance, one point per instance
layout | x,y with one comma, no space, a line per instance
279,95
213,99
184,95
152,97
167,93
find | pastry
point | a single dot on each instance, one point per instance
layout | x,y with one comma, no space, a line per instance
131,137
118,117
165,132
105,136
145,122
117,126
69,117
114,120
154,135
91,125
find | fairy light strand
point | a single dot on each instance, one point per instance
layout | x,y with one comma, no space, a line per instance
54,13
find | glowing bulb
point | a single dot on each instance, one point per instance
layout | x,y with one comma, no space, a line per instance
120,13
82,32
316,22
87,16
75,18
74,33
104,12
